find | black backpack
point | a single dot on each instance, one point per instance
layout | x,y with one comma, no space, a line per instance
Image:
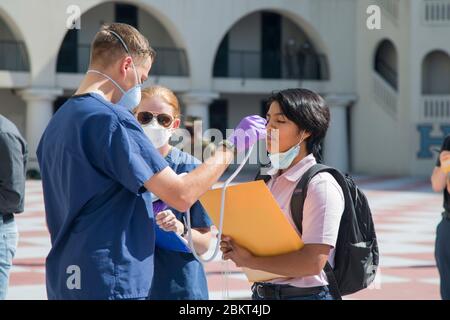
356,258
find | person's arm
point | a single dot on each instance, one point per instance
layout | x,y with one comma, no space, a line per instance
125,154
448,185
440,179
182,192
12,177
309,261
201,237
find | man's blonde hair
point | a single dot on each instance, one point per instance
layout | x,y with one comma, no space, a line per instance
107,47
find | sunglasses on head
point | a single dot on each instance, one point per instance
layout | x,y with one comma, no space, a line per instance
163,119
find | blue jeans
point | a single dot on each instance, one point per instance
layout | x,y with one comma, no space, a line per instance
442,255
323,295
8,244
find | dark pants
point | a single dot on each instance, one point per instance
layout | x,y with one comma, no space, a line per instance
442,254
322,295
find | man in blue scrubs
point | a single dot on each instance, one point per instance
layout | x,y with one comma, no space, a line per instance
97,165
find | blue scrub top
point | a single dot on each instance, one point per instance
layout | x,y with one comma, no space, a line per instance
179,276
94,160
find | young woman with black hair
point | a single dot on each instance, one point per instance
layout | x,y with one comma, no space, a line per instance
297,122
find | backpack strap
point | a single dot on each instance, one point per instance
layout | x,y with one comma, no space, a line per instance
332,282
299,195
301,190
297,202
264,177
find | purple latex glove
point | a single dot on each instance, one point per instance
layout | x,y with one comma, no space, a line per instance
248,132
159,206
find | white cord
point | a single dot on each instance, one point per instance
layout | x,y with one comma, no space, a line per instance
225,276
222,209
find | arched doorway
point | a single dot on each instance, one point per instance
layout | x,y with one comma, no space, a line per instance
269,45
73,56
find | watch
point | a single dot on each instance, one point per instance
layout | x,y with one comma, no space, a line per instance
185,231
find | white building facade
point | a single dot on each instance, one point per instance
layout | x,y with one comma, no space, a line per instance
388,89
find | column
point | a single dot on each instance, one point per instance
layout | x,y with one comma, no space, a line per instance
197,105
336,144
39,112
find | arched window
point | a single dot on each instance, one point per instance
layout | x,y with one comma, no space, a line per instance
436,73
386,62
13,53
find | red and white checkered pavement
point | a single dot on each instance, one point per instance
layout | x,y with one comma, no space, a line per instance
406,214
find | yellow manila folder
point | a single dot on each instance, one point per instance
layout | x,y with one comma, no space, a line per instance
254,220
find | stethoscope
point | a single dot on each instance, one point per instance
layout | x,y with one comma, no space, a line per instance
222,211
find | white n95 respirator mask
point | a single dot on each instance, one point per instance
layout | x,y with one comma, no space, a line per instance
157,134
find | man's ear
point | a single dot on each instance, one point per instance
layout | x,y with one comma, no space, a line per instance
125,64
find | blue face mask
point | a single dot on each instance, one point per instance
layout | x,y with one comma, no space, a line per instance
130,99
283,160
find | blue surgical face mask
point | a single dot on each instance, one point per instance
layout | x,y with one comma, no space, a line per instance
130,99
282,160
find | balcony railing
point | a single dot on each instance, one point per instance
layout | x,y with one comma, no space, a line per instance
13,56
387,72
271,65
168,62
436,12
435,108
391,7
385,94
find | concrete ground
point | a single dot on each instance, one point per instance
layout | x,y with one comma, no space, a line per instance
406,214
